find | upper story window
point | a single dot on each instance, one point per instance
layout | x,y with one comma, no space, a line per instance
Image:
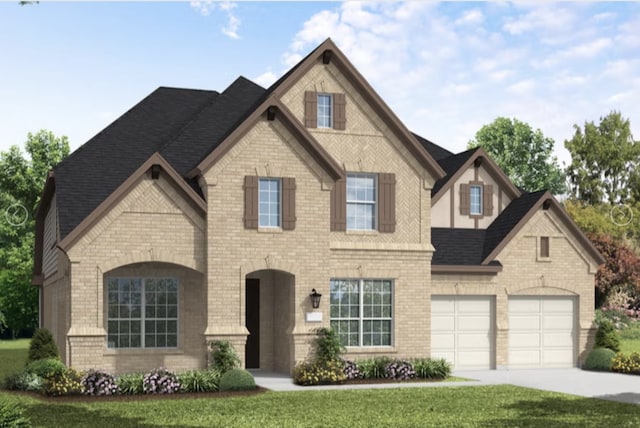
361,202
475,201
325,111
269,202
544,247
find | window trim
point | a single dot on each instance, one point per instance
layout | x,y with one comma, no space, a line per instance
375,203
143,317
361,317
279,181
330,118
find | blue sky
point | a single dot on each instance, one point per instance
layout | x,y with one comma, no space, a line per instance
444,68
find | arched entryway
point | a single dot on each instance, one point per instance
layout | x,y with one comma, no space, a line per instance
269,317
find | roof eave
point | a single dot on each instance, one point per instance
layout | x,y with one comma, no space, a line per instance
467,269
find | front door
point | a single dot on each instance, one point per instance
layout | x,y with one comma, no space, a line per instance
252,321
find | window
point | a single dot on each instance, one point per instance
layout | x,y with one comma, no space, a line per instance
142,313
475,193
361,202
269,202
361,311
544,247
325,113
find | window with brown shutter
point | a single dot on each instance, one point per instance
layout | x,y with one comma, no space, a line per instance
386,203
339,112
311,109
250,202
487,200
288,203
465,199
338,206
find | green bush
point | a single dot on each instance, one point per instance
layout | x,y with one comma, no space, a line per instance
46,368
319,373
42,346
626,363
327,345
428,368
130,384
68,382
199,380
237,380
374,368
11,415
224,356
24,381
599,359
607,337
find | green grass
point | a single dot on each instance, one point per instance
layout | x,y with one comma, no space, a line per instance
13,356
469,406
629,345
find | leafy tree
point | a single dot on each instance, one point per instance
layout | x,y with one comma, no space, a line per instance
525,155
621,222
21,181
604,160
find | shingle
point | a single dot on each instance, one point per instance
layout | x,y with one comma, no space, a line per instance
451,165
457,246
434,150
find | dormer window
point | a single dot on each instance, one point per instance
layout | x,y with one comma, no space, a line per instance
325,111
475,200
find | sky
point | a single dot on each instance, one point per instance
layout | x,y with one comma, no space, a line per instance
446,69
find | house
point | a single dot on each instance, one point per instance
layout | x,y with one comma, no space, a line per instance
200,215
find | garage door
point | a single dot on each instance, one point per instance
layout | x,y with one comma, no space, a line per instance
542,332
462,330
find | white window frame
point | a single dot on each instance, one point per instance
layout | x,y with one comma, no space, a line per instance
325,120
471,200
358,202
143,317
270,203
361,318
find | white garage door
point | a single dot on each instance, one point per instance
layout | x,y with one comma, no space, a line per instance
542,332
462,330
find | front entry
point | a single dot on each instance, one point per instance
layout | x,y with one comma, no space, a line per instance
252,321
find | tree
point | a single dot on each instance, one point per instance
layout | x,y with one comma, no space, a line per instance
621,271
21,182
621,222
525,155
604,160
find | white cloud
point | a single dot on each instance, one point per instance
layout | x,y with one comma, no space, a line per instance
203,7
522,87
588,50
570,80
266,79
206,7
542,17
471,17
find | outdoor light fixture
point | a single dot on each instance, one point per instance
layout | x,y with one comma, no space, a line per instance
315,298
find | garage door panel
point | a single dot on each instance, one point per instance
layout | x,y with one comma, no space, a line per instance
524,358
443,341
480,305
474,359
556,358
524,305
442,322
561,340
474,323
442,305
524,340
557,305
473,341
524,322
557,322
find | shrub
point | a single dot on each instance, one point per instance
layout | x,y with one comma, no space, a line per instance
224,356
96,382
374,368
607,337
67,382
42,346
626,363
199,380
237,380
46,368
399,370
130,384
24,381
599,359
160,381
427,368
319,373
327,345
11,416
351,370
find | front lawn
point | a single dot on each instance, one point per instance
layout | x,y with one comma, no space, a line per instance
469,406
628,346
13,356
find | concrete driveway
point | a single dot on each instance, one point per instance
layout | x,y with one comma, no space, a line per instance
608,386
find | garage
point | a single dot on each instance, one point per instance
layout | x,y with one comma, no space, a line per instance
462,330
542,331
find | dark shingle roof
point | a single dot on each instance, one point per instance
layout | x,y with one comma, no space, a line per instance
451,165
434,150
457,246
508,219
92,172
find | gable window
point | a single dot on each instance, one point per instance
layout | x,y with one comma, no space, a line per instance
475,201
544,247
142,312
361,202
269,202
325,111
361,311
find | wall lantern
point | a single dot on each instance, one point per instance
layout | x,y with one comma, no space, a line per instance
315,298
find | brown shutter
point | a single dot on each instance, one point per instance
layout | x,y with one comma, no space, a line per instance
386,203
487,200
288,203
311,109
251,202
464,199
339,112
338,216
